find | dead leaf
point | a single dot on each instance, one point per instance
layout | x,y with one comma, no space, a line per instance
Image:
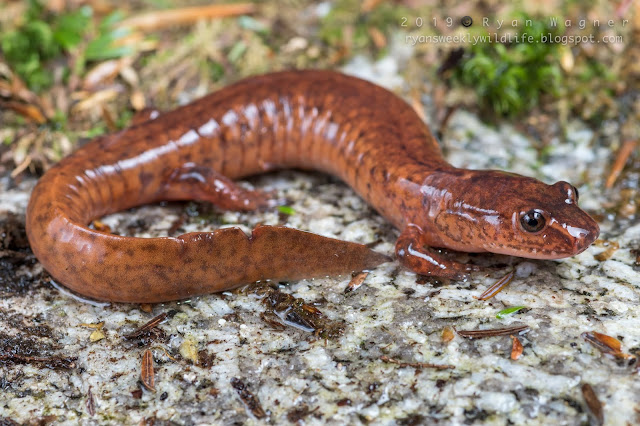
516,348
497,287
606,344
104,72
594,404
416,364
30,112
621,159
160,19
478,334
447,334
147,375
356,282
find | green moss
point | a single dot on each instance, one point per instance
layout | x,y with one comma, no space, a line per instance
124,118
42,37
216,70
509,79
39,39
98,130
59,121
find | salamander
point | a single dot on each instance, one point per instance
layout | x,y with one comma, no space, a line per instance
312,120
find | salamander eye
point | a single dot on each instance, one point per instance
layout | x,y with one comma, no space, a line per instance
575,191
532,221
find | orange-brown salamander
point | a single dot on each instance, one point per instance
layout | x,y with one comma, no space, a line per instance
319,120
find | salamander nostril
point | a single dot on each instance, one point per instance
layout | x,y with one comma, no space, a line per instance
584,238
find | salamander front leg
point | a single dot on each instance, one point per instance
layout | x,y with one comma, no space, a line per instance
412,253
193,182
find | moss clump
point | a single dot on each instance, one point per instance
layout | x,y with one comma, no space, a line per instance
509,79
39,39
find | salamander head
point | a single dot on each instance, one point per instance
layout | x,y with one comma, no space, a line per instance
509,214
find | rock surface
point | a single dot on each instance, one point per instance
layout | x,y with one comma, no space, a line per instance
210,348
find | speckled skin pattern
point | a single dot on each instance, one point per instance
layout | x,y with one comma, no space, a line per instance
319,120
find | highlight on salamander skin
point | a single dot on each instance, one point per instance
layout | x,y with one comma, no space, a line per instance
312,120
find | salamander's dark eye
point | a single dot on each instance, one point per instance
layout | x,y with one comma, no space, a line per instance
575,190
532,221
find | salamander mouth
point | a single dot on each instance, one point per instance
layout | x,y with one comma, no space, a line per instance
544,253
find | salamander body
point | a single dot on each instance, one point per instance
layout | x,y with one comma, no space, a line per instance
314,120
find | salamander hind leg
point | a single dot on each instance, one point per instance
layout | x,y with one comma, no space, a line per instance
412,254
194,182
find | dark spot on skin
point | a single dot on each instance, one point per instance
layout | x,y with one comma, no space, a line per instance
145,178
161,272
147,248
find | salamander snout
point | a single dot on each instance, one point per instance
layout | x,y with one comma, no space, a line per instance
583,236
577,224
559,226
